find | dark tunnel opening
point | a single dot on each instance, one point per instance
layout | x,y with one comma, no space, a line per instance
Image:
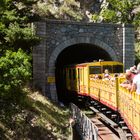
75,54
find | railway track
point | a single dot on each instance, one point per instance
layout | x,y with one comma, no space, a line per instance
110,125
104,132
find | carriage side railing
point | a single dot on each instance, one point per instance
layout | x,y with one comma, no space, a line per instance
84,125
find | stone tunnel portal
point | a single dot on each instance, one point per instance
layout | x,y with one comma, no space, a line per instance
74,54
67,42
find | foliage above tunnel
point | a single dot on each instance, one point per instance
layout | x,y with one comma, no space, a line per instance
15,27
17,37
116,11
59,9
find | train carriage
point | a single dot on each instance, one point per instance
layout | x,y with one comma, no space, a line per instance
77,79
83,79
78,76
129,108
105,90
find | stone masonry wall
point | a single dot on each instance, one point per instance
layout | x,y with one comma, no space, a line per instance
117,40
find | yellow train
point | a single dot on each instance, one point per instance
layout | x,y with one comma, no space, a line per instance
87,80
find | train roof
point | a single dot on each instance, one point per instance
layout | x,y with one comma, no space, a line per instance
96,63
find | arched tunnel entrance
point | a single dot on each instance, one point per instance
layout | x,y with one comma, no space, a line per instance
74,54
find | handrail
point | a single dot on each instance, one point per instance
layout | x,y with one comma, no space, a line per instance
86,127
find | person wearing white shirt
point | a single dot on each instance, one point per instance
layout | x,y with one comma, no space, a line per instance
136,81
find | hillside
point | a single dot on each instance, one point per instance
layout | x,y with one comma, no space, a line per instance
36,118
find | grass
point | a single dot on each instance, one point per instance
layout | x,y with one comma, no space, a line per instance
37,118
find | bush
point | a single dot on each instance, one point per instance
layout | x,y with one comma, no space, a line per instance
21,36
15,71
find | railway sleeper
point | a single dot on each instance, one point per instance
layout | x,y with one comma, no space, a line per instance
95,104
125,128
129,136
126,131
108,112
113,116
123,132
100,110
122,122
103,109
92,102
98,107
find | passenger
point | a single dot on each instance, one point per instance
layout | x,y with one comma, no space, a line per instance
133,71
134,68
106,75
121,75
98,76
129,79
92,77
129,75
114,77
136,81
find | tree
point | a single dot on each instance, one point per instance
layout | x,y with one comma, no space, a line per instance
121,11
15,27
15,69
17,38
59,9
116,11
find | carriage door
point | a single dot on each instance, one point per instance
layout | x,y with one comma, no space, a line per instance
78,80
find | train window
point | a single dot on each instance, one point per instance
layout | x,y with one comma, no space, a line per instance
94,69
117,68
109,67
74,74
64,73
69,73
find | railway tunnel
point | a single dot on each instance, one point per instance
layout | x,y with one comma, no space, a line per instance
68,42
78,53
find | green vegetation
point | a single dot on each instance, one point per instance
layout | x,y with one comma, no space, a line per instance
15,69
26,115
125,11
16,41
35,118
116,11
15,25
105,11
59,9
